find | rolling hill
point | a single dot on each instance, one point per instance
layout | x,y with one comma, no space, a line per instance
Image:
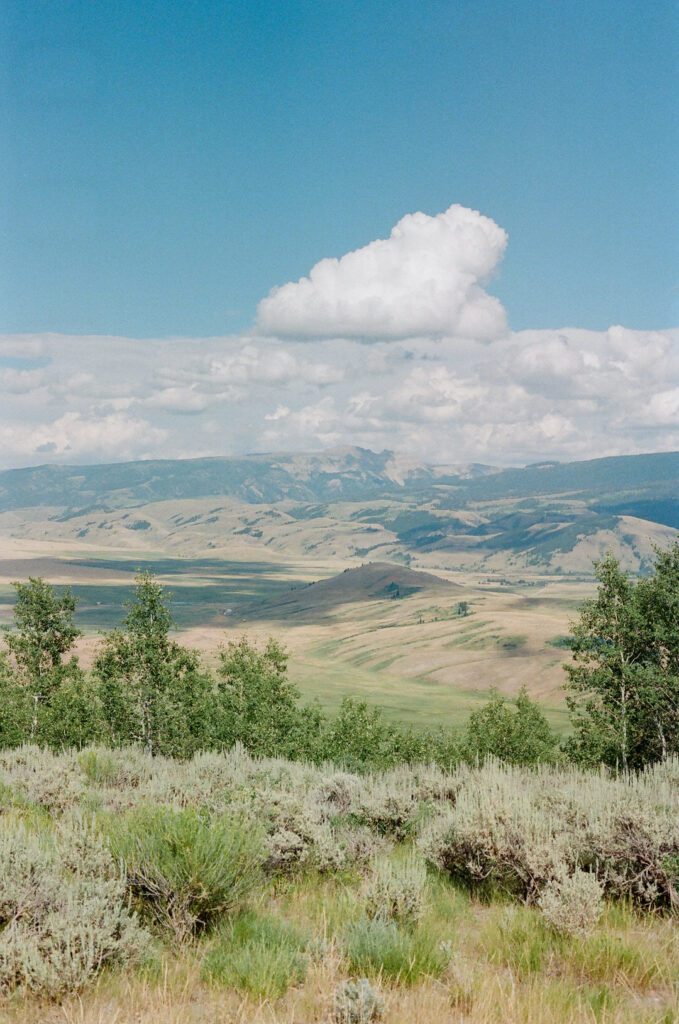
375,581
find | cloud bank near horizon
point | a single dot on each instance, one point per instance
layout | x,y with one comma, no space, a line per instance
532,395
442,378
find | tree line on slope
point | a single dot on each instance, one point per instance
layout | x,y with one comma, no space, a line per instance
148,689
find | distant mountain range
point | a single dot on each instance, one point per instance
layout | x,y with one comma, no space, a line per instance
628,484
349,474
351,503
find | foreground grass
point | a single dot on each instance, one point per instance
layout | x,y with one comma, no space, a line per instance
262,886
466,961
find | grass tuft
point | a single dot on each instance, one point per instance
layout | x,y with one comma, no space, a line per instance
376,947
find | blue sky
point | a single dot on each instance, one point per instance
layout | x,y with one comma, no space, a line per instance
165,164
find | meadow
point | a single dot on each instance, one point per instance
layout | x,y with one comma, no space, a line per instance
415,656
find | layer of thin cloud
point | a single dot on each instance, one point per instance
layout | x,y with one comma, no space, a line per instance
531,395
427,279
72,436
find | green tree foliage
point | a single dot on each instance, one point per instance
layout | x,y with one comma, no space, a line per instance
518,735
658,599
359,737
152,690
624,678
16,707
44,633
258,704
148,689
40,697
72,716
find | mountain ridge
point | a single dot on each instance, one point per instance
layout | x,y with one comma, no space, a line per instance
352,503
346,473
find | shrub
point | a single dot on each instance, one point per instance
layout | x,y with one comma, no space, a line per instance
499,836
292,824
336,849
186,869
257,955
572,904
395,890
389,803
517,830
40,777
100,767
635,852
380,947
357,1002
63,911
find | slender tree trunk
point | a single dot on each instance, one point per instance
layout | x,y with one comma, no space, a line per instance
624,728
34,722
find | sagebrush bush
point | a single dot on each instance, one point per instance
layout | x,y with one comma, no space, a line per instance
187,869
63,909
635,852
496,836
396,890
388,804
357,1001
572,904
518,830
40,777
493,827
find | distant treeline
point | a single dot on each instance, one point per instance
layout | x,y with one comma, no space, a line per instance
145,688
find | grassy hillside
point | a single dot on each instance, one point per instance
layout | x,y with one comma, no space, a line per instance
348,632
375,581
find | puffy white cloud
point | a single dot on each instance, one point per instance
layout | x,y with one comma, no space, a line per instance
662,409
427,278
267,364
21,382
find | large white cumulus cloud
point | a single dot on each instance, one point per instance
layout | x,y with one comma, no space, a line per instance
427,278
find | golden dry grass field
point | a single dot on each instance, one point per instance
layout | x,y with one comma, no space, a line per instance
379,631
